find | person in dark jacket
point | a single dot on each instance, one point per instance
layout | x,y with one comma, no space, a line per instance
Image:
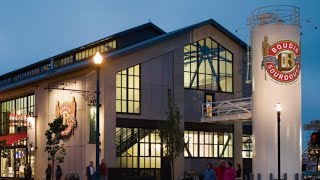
90,171
48,172
58,173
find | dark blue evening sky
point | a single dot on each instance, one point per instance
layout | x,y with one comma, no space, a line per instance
31,31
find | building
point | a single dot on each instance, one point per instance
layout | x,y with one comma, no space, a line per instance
201,64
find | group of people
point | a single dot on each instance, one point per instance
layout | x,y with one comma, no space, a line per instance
103,171
224,171
49,172
90,172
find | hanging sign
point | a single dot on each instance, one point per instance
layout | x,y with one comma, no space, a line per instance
68,112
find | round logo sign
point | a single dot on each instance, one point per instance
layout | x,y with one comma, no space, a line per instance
282,60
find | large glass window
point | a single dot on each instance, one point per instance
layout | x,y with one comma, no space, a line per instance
208,144
138,148
14,113
247,146
13,123
208,66
128,90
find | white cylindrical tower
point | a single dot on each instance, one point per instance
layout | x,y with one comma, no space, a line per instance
275,40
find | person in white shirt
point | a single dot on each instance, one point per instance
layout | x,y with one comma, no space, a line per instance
90,171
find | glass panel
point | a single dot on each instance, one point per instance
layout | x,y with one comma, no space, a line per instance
222,83
118,105
136,107
202,66
131,71
124,106
118,80
136,95
229,84
124,93
124,81
130,106
137,70
118,93
209,82
229,68
222,67
136,82
130,82
130,94
141,162
202,81
186,80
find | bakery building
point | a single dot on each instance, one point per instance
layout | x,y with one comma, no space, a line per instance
203,64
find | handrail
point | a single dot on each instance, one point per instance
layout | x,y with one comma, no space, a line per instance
234,106
279,14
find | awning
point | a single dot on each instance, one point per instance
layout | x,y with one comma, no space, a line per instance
13,138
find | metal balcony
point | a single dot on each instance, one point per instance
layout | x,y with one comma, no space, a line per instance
227,111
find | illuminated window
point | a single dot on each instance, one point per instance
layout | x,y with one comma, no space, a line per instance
128,90
14,114
191,139
108,46
247,146
208,144
208,66
138,148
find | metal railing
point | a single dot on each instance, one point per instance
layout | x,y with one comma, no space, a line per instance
220,108
279,14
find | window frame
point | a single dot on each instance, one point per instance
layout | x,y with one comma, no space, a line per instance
218,67
127,90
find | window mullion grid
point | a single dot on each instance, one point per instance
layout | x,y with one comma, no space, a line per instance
127,91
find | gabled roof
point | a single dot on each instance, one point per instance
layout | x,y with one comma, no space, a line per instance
176,33
117,53
45,61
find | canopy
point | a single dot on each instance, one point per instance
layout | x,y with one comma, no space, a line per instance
13,138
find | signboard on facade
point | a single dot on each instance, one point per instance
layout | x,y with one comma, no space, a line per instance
281,60
68,112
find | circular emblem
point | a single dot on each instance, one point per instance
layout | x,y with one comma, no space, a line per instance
282,60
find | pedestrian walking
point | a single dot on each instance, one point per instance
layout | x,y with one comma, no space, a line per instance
103,170
229,173
29,172
238,172
209,173
48,172
58,173
220,170
90,171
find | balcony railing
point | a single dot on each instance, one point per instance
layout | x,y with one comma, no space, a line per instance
229,107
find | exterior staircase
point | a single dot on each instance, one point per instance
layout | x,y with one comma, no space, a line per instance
127,137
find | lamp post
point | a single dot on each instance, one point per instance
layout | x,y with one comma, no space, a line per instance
97,60
278,109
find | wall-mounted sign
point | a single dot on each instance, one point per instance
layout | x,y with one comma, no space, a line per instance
281,60
68,112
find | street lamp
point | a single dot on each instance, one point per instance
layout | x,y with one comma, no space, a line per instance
278,109
97,60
